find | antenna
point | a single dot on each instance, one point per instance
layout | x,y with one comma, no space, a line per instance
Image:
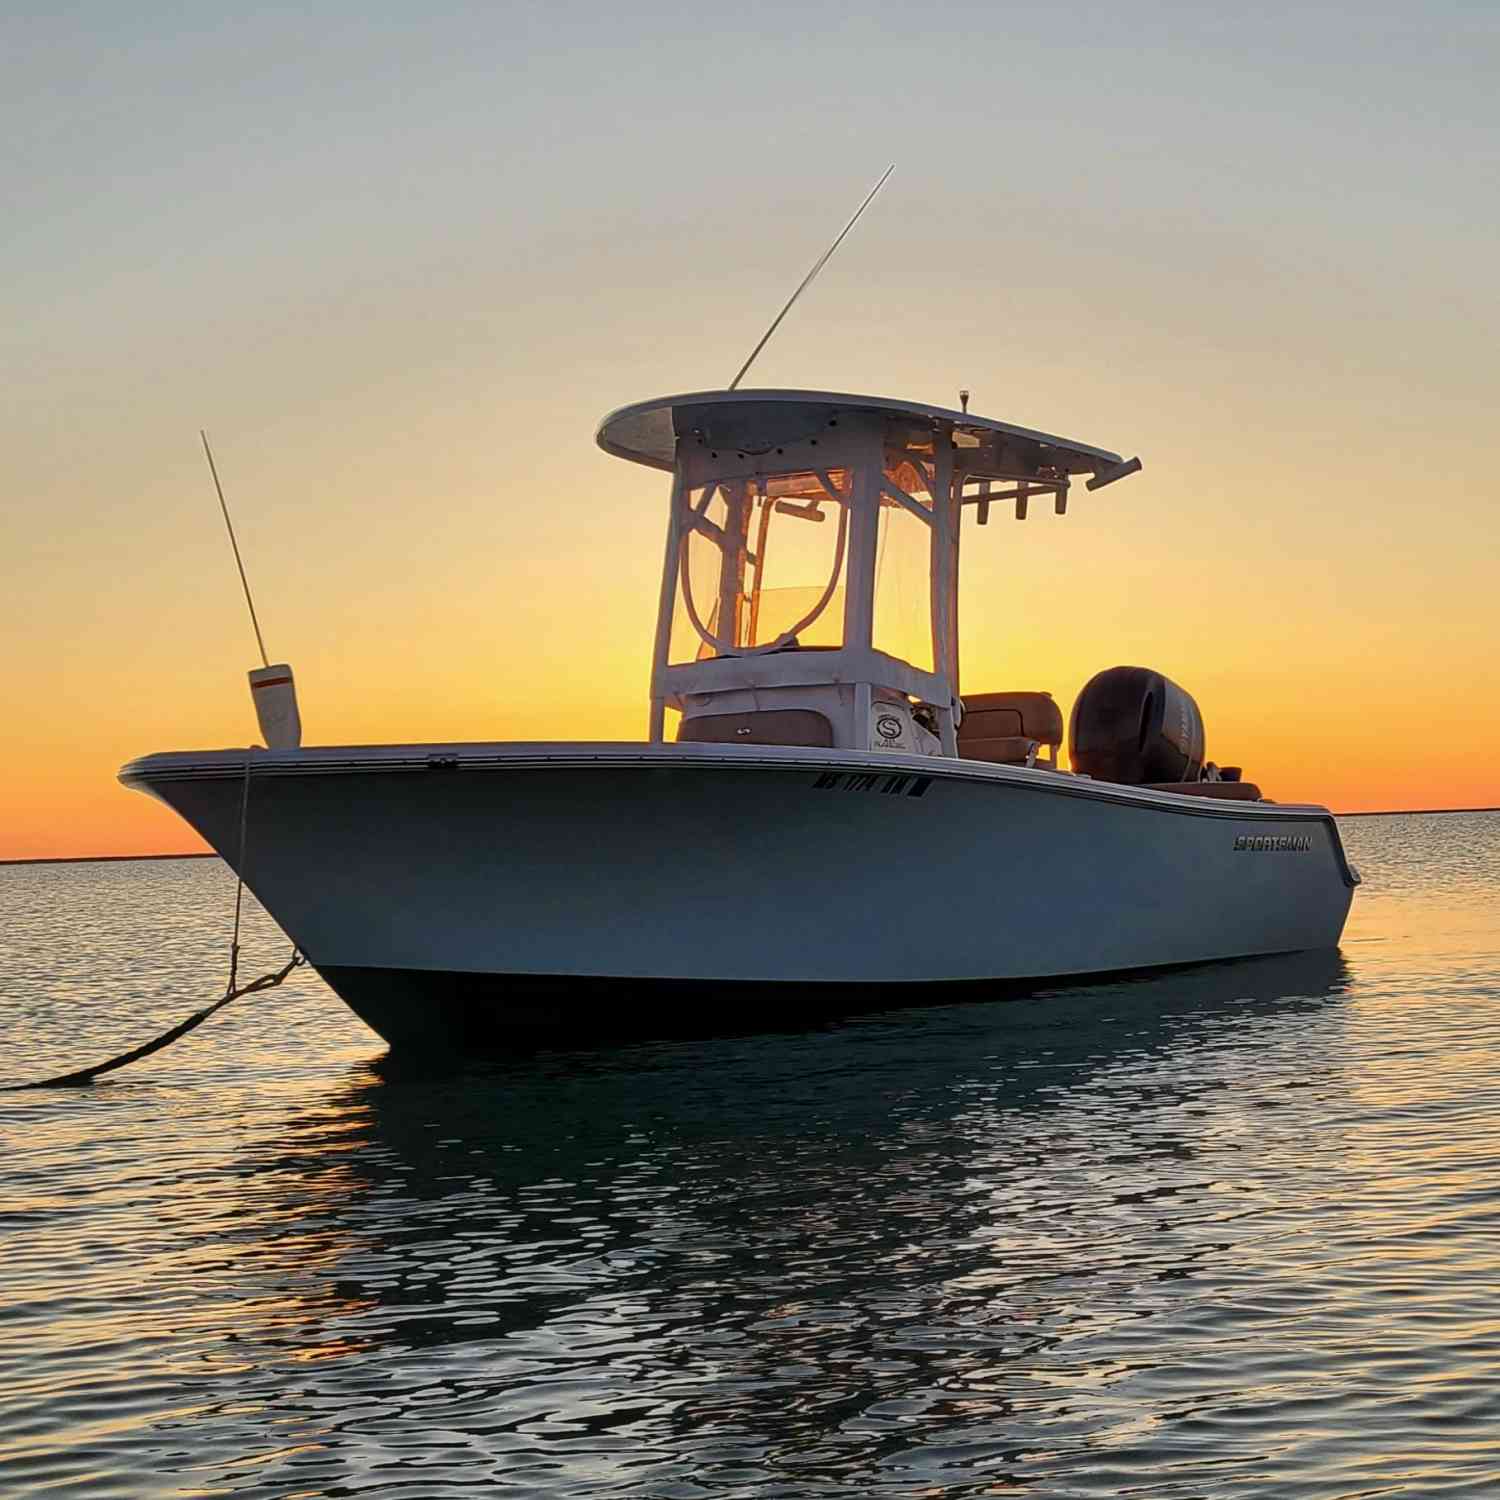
238,562
807,280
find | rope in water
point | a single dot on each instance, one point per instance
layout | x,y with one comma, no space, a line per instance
231,991
87,1075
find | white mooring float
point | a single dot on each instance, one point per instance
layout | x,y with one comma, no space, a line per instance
817,818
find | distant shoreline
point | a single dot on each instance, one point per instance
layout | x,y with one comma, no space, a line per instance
104,859
119,859
1417,812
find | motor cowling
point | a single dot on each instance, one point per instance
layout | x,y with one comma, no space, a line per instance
1134,726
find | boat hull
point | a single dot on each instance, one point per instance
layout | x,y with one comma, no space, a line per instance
454,895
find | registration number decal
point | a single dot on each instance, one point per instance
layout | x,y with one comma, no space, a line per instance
872,781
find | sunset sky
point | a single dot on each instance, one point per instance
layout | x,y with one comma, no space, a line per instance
400,260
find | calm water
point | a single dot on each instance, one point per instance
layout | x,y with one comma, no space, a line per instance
1234,1232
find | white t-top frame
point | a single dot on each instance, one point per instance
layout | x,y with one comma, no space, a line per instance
741,441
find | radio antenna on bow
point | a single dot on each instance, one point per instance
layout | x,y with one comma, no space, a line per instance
272,687
807,280
239,562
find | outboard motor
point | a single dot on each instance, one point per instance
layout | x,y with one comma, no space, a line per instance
1134,726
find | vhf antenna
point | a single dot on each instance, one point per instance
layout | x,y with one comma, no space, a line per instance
807,280
238,561
272,689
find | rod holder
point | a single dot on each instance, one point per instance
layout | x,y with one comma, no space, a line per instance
275,696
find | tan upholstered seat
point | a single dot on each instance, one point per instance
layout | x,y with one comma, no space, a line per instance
1003,727
1224,791
1001,749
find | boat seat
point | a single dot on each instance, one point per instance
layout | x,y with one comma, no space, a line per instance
1223,791
763,726
1010,728
1001,750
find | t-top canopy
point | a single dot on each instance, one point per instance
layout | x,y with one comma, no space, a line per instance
755,421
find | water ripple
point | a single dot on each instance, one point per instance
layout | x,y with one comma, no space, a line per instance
1228,1232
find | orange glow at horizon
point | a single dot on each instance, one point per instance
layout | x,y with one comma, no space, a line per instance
556,651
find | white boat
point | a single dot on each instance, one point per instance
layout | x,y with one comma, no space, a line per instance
824,816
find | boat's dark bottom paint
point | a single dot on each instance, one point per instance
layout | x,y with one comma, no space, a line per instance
446,1011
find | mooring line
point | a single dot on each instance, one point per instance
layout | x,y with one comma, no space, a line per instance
231,991
239,876
87,1075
